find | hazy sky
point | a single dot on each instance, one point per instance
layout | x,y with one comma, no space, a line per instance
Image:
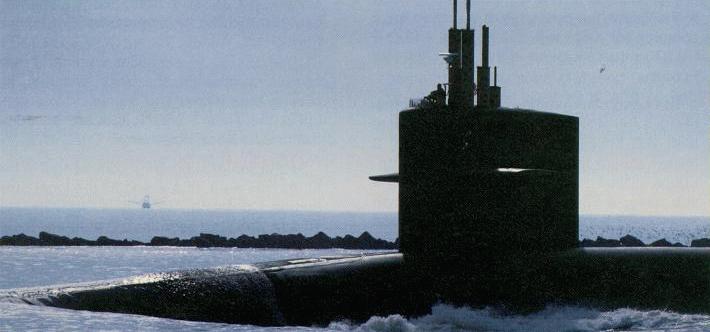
292,104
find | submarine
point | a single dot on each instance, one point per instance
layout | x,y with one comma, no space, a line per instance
488,216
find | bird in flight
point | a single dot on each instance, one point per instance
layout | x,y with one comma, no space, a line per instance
602,69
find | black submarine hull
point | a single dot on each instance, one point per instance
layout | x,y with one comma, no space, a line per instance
293,292
319,291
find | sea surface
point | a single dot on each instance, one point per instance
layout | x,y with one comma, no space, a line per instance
41,266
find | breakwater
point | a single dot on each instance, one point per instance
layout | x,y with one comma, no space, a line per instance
294,241
289,241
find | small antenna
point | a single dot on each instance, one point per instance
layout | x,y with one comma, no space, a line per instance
484,48
455,14
495,75
468,14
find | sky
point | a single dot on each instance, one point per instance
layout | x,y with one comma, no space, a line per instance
293,104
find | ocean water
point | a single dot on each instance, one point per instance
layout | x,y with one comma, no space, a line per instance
42,266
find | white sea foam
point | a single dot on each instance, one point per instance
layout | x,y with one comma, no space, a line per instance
444,318
555,318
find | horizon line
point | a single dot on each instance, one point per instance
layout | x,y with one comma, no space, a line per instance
593,214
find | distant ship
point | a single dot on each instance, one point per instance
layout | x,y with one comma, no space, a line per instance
146,204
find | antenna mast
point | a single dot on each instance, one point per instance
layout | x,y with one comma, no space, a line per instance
460,60
468,14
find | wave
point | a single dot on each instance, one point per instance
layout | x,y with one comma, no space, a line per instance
446,318
443,318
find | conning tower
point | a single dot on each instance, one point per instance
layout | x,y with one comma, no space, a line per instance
481,187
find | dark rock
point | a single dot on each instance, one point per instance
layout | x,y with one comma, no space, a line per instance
200,242
346,242
268,241
206,240
319,241
661,243
20,240
366,241
600,242
105,241
704,242
293,241
214,240
246,241
630,241
49,239
77,241
128,243
164,241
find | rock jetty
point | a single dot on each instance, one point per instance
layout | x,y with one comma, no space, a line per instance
289,241
631,241
205,240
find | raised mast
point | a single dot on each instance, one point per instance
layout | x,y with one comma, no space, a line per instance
488,97
461,87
